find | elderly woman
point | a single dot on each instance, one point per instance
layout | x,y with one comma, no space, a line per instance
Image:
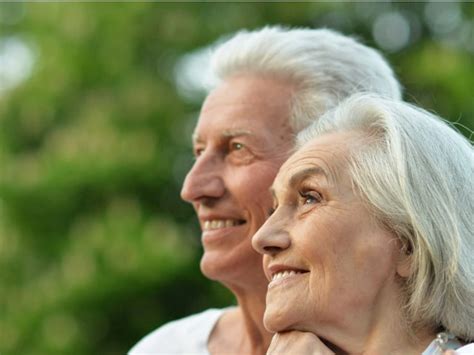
370,246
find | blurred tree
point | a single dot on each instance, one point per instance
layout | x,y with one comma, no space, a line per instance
96,248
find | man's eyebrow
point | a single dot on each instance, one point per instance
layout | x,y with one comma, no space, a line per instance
195,138
236,132
228,133
302,174
272,192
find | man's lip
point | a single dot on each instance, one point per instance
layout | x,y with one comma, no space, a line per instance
221,223
209,218
276,268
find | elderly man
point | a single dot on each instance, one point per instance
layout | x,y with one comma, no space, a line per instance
273,83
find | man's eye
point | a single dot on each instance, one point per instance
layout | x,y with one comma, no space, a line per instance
198,151
236,146
239,153
310,197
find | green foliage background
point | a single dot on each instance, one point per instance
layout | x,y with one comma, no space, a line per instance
96,247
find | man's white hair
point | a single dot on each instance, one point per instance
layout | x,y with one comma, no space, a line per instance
416,173
324,65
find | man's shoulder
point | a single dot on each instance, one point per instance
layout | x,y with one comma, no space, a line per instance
189,334
192,323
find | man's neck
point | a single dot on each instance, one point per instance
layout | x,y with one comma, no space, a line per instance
241,330
251,310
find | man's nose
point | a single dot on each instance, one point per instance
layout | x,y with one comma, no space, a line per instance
271,238
204,180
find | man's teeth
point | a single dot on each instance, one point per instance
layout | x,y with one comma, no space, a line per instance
283,274
220,223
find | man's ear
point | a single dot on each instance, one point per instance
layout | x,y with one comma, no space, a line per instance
405,261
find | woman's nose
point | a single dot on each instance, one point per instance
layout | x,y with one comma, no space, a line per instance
271,238
204,180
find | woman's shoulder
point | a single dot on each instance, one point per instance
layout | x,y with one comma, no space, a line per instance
467,349
450,342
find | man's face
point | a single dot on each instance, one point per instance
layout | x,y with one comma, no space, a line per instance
240,141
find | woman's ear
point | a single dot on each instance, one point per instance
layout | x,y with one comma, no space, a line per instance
405,260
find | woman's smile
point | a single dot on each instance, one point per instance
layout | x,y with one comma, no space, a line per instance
286,278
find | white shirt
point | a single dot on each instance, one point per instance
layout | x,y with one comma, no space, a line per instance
188,335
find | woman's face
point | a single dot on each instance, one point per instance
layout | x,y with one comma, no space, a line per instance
329,263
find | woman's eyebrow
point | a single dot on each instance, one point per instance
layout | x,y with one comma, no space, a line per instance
302,174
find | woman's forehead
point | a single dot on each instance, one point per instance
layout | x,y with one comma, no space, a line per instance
325,157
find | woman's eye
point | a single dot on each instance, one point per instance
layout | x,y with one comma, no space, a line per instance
272,209
310,197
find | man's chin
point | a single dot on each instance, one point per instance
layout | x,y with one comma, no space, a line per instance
208,268
215,267
232,271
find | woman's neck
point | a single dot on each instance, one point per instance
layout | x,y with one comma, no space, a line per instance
380,329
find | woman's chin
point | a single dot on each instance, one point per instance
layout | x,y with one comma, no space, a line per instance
276,320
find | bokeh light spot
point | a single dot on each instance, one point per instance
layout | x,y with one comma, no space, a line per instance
16,62
391,31
193,75
442,17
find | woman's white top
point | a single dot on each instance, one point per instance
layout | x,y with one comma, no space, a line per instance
454,344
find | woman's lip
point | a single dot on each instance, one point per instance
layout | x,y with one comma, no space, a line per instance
277,268
287,279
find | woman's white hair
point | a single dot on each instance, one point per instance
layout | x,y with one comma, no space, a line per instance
324,65
416,173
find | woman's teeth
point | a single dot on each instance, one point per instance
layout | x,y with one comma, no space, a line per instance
284,274
220,223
